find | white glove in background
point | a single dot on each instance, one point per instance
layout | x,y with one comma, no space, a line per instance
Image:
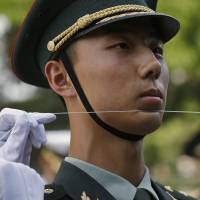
20,130
19,182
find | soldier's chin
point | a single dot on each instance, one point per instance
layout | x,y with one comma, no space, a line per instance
150,123
141,123
141,129
150,129
145,127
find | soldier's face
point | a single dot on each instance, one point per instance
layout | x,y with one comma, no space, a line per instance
121,68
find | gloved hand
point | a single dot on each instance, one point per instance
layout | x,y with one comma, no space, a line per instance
20,130
19,182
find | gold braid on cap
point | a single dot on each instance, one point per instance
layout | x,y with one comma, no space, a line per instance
86,20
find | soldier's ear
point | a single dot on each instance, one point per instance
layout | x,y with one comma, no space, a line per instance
58,79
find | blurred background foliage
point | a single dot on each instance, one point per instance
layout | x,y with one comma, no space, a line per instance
165,150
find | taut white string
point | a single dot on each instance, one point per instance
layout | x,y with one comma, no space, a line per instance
129,111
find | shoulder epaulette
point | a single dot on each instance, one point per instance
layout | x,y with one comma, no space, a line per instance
177,195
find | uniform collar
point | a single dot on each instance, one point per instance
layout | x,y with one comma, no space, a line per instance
117,186
77,184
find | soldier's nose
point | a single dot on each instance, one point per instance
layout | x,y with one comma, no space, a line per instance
150,67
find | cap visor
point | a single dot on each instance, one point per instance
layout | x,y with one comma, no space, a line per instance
166,25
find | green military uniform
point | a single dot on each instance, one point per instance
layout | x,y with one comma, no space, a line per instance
76,180
47,31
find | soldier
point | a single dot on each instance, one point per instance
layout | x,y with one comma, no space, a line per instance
104,58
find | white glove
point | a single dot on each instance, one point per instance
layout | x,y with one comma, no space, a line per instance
20,130
19,182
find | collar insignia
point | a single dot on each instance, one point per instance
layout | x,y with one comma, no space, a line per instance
85,197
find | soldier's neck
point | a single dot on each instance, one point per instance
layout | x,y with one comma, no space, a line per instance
122,157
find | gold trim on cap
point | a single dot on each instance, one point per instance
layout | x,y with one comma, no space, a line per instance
118,16
86,20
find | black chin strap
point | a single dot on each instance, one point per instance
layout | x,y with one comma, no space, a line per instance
88,107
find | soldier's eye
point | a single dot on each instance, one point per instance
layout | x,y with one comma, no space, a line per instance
121,46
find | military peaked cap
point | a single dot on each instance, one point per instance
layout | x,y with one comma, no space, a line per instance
51,24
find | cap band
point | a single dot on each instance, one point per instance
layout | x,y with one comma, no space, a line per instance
86,20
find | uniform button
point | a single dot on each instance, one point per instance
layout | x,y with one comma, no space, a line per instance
48,191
